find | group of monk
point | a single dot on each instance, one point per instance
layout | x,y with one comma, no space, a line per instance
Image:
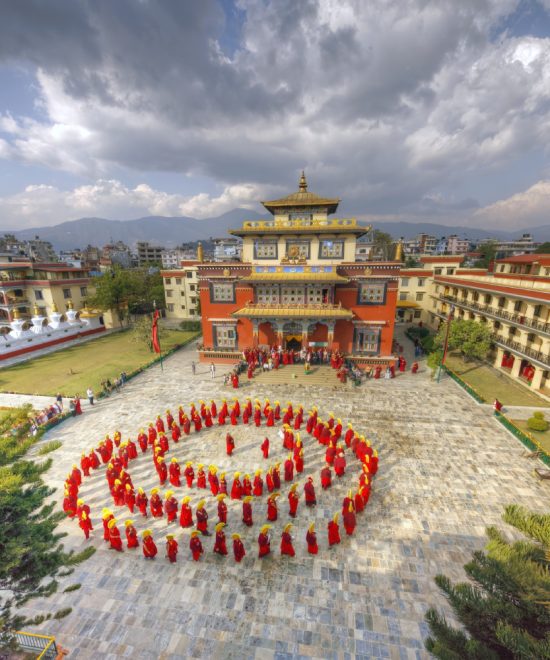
329,433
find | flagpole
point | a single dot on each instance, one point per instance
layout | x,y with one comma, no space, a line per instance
158,337
446,343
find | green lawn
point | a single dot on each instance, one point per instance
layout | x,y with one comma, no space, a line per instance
492,384
542,437
72,370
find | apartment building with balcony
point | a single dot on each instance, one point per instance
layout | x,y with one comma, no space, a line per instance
514,303
181,292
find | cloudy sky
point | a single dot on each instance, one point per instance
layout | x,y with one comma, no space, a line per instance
412,110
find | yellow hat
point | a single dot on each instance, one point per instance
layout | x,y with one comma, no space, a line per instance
160,459
186,499
201,504
339,420
236,475
174,460
141,491
84,516
287,527
213,469
200,466
331,414
335,517
117,482
168,494
235,536
220,496
350,507
111,523
106,512
169,537
194,532
219,526
127,523
128,487
273,496
349,493
248,498
258,472
80,502
375,453
350,425
154,491
293,487
189,463
264,528
222,475
146,533
312,527
277,403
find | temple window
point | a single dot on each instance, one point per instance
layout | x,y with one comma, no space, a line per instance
292,295
366,340
267,293
297,249
265,249
222,292
372,293
225,336
329,249
318,294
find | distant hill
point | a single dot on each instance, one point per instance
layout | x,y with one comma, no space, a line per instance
172,231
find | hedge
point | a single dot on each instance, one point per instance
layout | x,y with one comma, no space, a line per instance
471,391
525,438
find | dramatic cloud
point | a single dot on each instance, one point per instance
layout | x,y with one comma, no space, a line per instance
530,208
389,105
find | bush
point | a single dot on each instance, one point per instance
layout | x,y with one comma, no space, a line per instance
415,332
191,326
537,422
49,446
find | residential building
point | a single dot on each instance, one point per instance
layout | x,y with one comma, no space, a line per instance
227,249
299,285
42,251
116,254
513,301
148,254
172,258
181,291
523,245
456,245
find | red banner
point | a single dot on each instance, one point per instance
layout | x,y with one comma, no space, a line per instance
155,332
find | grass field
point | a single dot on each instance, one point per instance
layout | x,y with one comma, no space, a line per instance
492,384
542,437
72,370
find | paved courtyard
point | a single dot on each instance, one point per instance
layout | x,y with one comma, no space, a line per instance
446,471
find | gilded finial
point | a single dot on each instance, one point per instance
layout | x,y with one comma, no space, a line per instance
54,308
200,252
70,304
399,250
303,182
36,310
16,314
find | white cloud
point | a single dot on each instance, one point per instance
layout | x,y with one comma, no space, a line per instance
529,208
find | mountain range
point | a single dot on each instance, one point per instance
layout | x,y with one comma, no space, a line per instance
172,231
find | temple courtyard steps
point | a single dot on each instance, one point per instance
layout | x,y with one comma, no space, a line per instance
320,375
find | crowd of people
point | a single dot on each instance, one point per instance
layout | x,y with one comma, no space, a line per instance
117,455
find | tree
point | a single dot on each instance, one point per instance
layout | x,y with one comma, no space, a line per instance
543,248
472,339
412,262
382,244
141,332
32,556
148,292
114,290
505,609
488,252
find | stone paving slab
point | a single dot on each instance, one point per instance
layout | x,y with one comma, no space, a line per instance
447,468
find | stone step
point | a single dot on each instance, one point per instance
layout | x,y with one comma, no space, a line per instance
294,374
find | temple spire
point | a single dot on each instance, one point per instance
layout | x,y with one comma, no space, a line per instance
303,183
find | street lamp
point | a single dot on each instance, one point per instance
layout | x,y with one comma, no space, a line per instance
446,342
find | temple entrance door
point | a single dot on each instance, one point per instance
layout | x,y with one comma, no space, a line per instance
293,342
292,333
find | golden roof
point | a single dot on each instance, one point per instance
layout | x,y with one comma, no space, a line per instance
406,303
294,277
302,198
302,226
300,311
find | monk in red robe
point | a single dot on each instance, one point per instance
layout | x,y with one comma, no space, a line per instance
131,535
247,511
293,500
186,514
219,543
333,531
265,447
238,548
247,486
276,476
106,516
162,471
258,484
174,472
349,519
186,425
156,504
141,502
114,536
326,477
159,424
222,508
171,548
311,540
272,510
309,491
189,474
269,480
229,444
340,464
130,498
151,434
286,541
202,519
195,545
85,524
236,488
201,476
223,483
289,468
148,545
213,480
175,432
213,408
264,541
85,464
170,506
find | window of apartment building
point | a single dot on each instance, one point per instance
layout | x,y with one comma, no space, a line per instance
222,292
434,304
182,293
502,269
170,307
168,280
464,294
487,299
66,293
517,306
366,340
438,271
225,336
403,296
455,292
417,314
404,281
193,300
547,272
191,312
169,293
450,271
182,306
421,281
39,295
502,302
531,337
192,287
371,293
178,280
497,325
476,296
189,274
420,296
512,331
83,291
537,311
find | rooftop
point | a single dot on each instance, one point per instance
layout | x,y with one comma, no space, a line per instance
324,310
541,259
302,198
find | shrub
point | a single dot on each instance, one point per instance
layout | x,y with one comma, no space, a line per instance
537,422
416,332
49,446
191,326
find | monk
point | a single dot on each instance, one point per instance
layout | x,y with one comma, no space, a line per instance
247,485
159,424
311,540
189,474
276,476
289,468
349,435
170,506
223,484
162,471
347,501
176,433
236,488
333,531
258,484
414,368
175,472
219,544
213,480
201,476
247,511
269,480
202,519
155,503
114,536
186,514
326,477
130,498
286,541
141,502
238,548
85,524
131,534
309,491
171,548
299,461
195,545
349,520
293,500
85,464
222,508
148,545
272,510
229,444
265,447
264,541
340,464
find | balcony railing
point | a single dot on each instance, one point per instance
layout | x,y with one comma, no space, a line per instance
498,313
308,305
539,356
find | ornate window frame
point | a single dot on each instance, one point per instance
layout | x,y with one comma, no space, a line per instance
270,241
371,284
213,297
338,241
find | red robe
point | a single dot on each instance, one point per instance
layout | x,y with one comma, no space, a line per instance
85,465
163,473
141,501
349,436
293,500
265,448
201,479
114,538
219,544
247,514
213,409
247,487
326,477
236,489
286,545
186,516
202,520
186,426
340,466
333,533
151,435
94,460
172,550
208,420
189,474
149,548
198,423
85,525
214,484
132,450
106,527
130,499
276,478
258,486
176,433
299,461
131,537
309,491
159,424
222,511
289,470
175,472
195,546
269,482
221,418
271,510
156,506
311,540
349,522
263,545
171,509
229,444
238,550
270,419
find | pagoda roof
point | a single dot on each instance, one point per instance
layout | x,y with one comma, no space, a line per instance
301,226
326,310
302,198
294,274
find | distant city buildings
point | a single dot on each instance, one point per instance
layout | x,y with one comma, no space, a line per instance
148,254
227,249
35,249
